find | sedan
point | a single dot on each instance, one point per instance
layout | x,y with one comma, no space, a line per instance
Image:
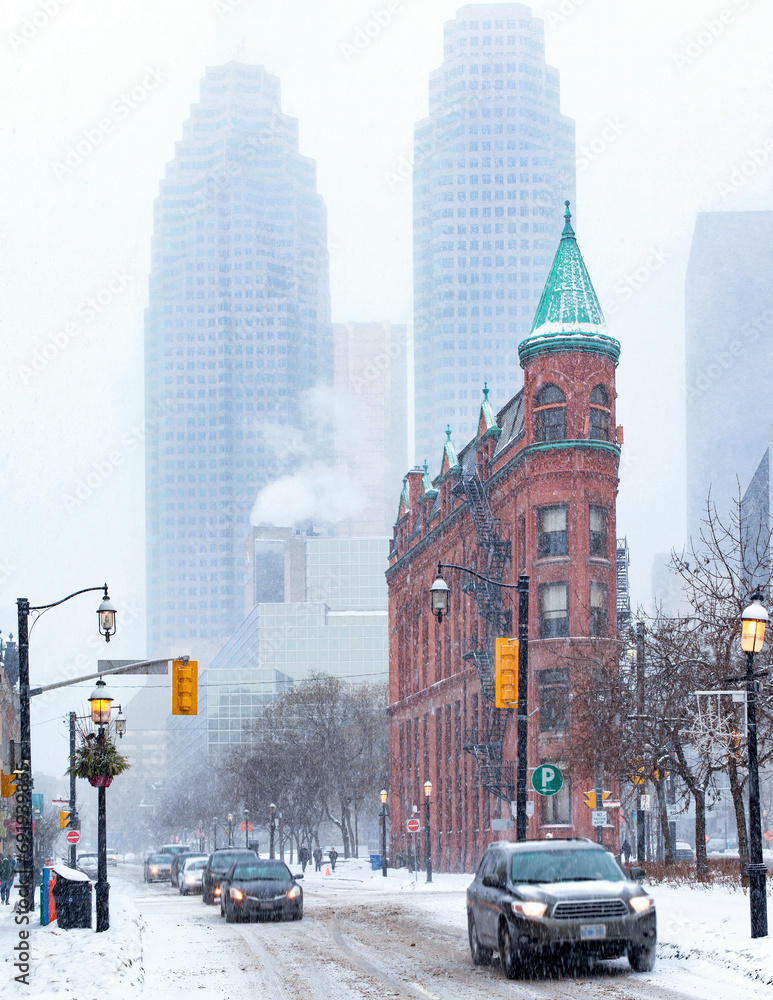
88,864
218,865
261,889
157,867
190,874
558,901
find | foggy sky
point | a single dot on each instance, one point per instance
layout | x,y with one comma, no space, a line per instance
668,110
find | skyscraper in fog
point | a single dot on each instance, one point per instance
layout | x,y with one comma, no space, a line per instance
493,164
238,325
728,356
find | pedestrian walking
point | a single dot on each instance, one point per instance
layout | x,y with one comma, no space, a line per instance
625,850
6,879
333,855
303,856
317,859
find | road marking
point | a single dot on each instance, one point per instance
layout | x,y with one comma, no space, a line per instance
426,993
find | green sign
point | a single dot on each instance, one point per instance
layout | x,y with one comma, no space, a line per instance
547,779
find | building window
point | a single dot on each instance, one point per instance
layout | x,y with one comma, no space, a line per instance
550,414
554,700
553,534
599,414
557,809
598,609
553,610
597,541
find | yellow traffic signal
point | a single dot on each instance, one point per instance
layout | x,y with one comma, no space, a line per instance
64,819
185,687
7,785
590,798
506,673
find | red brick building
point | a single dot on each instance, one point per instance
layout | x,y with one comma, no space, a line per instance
534,493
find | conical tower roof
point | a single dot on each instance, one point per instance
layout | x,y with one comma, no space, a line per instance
568,316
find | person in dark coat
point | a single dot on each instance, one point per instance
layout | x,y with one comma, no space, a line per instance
317,855
303,856
6,879
625,850
333,855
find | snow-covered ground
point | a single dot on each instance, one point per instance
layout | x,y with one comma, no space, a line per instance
161,945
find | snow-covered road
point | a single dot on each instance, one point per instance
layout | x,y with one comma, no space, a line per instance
363,936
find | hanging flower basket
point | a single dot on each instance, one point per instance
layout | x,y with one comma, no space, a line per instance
101,781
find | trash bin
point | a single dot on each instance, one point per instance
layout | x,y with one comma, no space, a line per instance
375,862
72,898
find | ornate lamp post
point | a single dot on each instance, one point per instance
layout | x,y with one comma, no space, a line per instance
101,708
384,797
754,619
230,830
246,827
271,829
427,831
107,628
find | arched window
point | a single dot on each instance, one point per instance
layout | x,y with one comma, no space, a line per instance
550,414
599,414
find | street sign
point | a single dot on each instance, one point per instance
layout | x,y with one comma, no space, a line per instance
547,779
598,817
768,836
501,824
413,825
530,808
645,803
611,805
72,836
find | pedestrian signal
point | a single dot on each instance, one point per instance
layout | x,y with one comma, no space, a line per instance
185,687
64,819
506,673
7,785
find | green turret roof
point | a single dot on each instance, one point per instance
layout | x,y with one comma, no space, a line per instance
449,462
569,307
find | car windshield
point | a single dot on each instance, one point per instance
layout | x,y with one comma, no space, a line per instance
264,870
565,866
222,862
195,865
160,859
87,858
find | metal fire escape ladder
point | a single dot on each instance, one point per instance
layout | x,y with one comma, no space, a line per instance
485,744
623,593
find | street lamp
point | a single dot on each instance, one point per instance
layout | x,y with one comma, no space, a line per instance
439,592
427,832
754,619
384,797
271,828
107,628
101,704
230,830
246,827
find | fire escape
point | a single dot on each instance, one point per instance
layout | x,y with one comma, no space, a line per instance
485,743
623,593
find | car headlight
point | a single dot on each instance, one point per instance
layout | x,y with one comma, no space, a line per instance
236,894
216,890
641,903
294,893
154,871
529,908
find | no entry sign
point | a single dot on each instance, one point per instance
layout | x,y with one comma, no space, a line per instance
72,836
413,825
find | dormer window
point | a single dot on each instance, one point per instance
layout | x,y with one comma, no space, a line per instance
599,414
550,414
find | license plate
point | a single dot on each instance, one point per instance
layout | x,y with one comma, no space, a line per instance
592,932
265,906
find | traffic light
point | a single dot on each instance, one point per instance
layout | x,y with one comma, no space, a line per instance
64,819
590,799
7,785
185,687
506,673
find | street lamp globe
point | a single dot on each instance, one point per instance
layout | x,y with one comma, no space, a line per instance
384,796
439,592
753,621
107,613
120,723
101,703
428,788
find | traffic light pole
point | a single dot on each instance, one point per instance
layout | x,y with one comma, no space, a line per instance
71,818
640,814
599,804
521,819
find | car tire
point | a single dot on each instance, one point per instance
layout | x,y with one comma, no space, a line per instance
642,959
479,954
206,898
507,951
230,915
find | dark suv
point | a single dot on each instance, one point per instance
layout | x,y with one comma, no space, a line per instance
557,899
217,866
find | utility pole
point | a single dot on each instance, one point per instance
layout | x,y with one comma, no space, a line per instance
640,814
72,818
521,820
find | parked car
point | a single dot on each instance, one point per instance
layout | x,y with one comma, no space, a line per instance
177,863
683,851
112,857
260,888
217,866
191,872
157,867
89,864
558,900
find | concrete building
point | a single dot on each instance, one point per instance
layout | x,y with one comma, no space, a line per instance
728,356
237,328
533,493
493,163
370,380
